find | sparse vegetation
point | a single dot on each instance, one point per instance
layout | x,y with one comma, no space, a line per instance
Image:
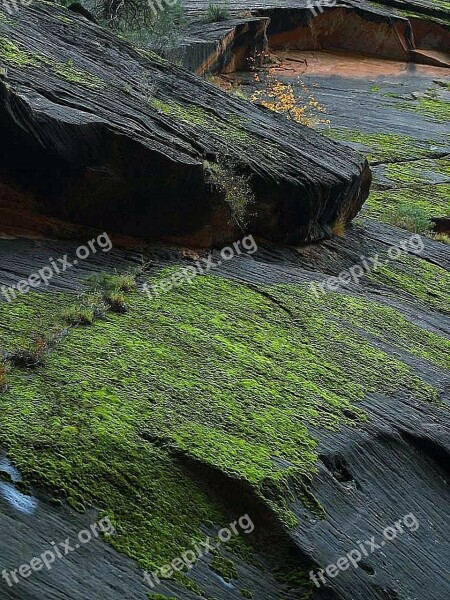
291,100
215,13
116,301
235,187
3,377
110,282
78,315
225,567
31,354
339,227
141,21
441,237
410,217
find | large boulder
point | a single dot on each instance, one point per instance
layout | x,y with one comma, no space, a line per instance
105,135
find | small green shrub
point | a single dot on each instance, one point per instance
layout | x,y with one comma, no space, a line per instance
78,315
109,282
215,13
235,188
31,354
247,594
116,301
407,216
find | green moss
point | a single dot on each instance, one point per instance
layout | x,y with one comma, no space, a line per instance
65,19
224,567
214,370
293,577
382,147
150,54
4,18
247,594
417,15
417,172
433,108
195,115
419,279
68,72
229,128
421,187
434,200
13,55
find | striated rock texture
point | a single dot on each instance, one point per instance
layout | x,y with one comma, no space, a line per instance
103,135
412,32
222,47
324,418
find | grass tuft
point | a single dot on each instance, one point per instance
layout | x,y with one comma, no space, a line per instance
339,228
78,315
32,354
412,218
116,301
216,13
110,282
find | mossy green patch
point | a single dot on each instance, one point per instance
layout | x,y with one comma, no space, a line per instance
383,147
225,567
215,370
441,20
433,108
434,200
68,72
418,278
417,172
11,54
195,115
65,19
230,128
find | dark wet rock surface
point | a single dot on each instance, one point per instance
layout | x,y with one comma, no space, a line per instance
369,475
90,121
95,570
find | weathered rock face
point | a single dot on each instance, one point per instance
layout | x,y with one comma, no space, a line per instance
350,25
222,47
105,136
360,29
